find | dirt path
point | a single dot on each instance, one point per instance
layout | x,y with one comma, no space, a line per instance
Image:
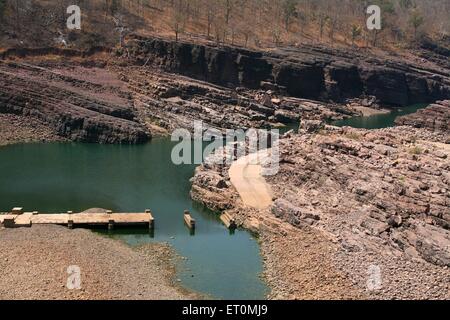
246,177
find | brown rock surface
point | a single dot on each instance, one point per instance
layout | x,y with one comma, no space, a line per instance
86,110
307,71
173,101
435,117
18,128
373,200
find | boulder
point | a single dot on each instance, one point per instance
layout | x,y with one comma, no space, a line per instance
312,126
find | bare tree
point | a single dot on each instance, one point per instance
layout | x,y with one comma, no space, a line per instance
178,19
121,28
416,20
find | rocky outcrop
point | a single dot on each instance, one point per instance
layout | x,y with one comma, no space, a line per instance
384,183
172,102
381,196
86,115
436,117
311,72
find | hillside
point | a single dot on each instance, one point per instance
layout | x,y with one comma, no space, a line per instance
251,23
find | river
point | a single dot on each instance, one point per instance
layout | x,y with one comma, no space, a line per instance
378,121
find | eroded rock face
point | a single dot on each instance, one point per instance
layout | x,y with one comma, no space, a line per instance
311,72
389,184
76,109
436,117
172,101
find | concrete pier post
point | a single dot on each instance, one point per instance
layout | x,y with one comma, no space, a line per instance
70,221
110,224
228,221
17,210
190,222
9,223
151,221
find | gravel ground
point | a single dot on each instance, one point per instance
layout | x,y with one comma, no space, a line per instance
18,129
298,266
34,264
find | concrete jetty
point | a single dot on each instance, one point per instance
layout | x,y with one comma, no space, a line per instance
18,218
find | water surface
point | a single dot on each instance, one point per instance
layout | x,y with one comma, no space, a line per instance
379,121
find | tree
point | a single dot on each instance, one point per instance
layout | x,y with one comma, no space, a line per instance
322,20
228,6
332,25
276,34
121,28
355,33
246,31
416,20
220,29
211,13
301,18
178,23
289,10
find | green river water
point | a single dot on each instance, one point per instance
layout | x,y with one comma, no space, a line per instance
380,120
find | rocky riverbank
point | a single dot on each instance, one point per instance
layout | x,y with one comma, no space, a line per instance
34,264
112,101
350,206
435,117
170,101
18,129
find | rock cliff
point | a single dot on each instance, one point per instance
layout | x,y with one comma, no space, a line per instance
312,72
76,109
